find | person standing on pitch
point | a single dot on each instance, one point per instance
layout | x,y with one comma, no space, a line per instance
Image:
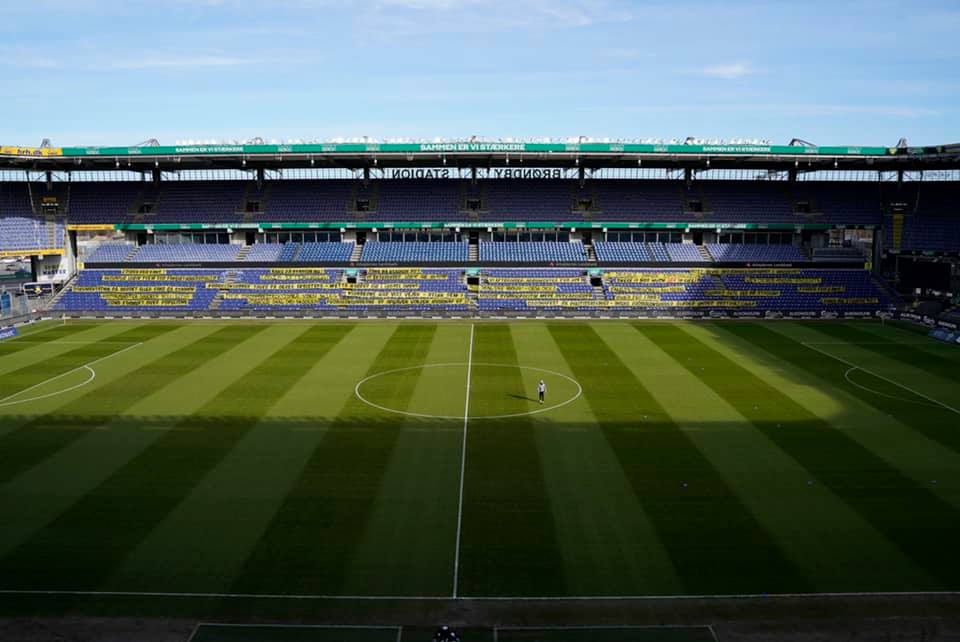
541,390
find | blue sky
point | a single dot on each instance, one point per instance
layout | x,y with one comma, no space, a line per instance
84,72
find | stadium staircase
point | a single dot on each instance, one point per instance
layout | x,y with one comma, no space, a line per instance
229,278
133,252
355,254
693,192
262,197
474,253
805,197
52,302
591,253
897,229
150,193
242,254
703,252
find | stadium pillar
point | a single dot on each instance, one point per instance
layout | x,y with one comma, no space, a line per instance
366,176
792,174
261,174
688,175
473,175
581,175
49,176
156,175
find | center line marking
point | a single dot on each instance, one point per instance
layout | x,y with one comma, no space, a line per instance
463,468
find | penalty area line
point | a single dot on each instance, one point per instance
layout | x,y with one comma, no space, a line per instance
87,366
878,376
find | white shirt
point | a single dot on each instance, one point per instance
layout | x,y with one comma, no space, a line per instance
542,387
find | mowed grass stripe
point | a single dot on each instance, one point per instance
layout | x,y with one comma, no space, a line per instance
715,543
19,380
769,482
608,543
310,542
914,411
921,524
779,484
79,467
508,540
904,354
407,547
86,542
41,337
249,484
912,336
45,434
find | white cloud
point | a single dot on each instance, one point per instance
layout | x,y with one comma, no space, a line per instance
730,71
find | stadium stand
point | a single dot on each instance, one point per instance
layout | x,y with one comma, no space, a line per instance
324,252
25,234
516,290
414,252
264,253
185,253
92,203
738,252
110,253
546,252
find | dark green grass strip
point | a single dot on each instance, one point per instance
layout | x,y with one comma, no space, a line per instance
22,378
294,633
310,542
38,439
909,515
906,354
608,634
715,543
83,545
508,541
25,341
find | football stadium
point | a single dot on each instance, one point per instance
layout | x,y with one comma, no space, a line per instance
542,390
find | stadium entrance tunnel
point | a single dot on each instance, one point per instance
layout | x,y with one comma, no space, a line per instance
439,391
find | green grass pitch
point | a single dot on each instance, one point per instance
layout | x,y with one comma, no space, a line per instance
413,459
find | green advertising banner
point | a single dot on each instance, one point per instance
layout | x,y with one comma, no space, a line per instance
165,227
475,148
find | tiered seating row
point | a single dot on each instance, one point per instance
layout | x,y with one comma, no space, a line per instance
424,290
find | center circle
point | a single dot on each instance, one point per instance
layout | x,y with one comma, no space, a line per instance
552,378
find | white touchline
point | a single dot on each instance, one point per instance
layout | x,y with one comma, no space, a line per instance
878,376
88,366
463,467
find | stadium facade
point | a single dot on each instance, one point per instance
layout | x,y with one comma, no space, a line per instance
482,228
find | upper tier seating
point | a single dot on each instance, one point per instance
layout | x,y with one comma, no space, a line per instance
546,252
97,203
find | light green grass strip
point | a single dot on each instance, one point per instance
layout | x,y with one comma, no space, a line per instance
811,524
608,543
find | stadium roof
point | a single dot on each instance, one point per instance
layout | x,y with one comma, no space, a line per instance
695,155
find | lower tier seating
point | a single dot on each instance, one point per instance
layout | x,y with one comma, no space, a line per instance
425,290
